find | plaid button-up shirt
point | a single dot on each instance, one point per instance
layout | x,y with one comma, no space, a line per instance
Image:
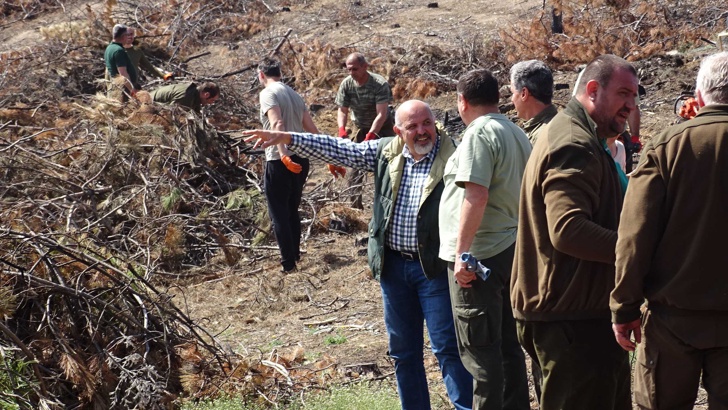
401,234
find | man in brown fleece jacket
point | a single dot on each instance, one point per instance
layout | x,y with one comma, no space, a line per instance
563,271
671,251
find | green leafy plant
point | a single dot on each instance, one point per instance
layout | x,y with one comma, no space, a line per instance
336,339
169,201
16,382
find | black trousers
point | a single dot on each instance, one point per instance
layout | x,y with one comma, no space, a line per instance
283,191
629,151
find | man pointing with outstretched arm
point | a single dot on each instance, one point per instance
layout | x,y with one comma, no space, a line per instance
403,242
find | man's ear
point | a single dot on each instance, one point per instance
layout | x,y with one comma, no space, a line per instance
462,102
592,87
699,98
397,131
525,93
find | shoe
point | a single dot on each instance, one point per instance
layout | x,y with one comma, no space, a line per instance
293,269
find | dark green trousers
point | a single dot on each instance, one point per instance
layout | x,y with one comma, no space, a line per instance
583,366
487,341
674,353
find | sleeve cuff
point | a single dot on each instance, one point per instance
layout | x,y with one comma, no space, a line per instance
295,140
626,316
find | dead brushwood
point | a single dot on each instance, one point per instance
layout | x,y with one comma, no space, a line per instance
632,30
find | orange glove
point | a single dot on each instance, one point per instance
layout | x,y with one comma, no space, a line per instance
168,76
336,170
371,136
342,132
290,165
689,108
636,142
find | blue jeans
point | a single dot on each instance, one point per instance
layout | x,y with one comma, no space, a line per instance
409,300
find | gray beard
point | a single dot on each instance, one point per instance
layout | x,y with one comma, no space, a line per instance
424,149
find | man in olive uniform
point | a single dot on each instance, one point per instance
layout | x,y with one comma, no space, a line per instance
684,331
532,88
139,61
189,95
571,199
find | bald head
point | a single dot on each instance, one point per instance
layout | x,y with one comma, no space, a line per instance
357,58
409,106
415,124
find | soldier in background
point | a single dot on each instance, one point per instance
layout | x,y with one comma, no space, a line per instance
366,96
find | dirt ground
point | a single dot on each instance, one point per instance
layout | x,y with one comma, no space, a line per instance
330,309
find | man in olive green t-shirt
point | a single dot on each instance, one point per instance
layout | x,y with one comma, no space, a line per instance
479,214
116,60
366,96
187,94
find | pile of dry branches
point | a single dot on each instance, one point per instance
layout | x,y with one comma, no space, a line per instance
105,209
100,218
92,215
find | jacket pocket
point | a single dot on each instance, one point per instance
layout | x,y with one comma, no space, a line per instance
645,394
474,326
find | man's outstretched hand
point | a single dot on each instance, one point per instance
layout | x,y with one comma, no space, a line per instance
265,139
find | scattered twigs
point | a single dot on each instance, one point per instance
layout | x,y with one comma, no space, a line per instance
188,59
254,65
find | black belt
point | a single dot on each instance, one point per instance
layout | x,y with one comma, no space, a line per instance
410,256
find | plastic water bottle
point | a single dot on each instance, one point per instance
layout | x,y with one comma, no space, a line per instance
473,265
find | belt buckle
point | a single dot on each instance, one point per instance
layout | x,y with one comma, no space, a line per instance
408,255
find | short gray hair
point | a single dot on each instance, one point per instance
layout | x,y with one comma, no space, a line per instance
536,77
712,79
118,30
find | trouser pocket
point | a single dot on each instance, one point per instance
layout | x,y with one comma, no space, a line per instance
645,393
474,327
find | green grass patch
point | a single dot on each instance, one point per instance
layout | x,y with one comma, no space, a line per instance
361,396
334,340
